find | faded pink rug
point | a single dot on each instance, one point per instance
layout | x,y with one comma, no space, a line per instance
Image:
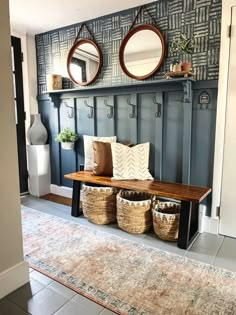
126,277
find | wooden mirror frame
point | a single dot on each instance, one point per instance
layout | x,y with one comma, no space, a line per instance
125,41
71,52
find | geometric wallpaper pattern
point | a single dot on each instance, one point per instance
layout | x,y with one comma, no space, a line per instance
201,18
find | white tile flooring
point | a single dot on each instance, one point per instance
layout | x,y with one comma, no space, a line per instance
44,296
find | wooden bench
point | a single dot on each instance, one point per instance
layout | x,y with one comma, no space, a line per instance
190,197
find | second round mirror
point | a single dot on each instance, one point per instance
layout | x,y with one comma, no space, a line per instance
142,52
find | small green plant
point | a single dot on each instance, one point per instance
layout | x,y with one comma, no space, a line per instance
183,45
67,135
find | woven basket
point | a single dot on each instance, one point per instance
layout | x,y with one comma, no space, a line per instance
99,204
134,213
166,220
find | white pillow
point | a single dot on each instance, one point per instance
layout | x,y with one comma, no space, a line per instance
130,163
88,149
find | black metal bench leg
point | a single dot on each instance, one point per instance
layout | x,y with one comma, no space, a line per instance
188,224
75,211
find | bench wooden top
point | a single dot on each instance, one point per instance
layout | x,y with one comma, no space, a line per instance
156,187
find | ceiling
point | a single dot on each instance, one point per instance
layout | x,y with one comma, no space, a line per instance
34,17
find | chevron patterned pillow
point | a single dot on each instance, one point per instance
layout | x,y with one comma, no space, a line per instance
130,163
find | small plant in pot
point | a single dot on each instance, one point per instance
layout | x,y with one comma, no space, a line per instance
183,46
67,137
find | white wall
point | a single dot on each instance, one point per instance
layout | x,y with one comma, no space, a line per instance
14,272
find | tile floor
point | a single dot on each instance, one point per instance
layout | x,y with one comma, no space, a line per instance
44,296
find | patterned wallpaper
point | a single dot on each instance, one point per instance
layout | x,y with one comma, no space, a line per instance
201,18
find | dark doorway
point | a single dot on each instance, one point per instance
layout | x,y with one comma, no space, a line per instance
20,112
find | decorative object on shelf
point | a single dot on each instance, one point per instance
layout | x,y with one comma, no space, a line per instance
37,134
183,46
67,137
54,82
134,213
99,204
67,83
175,66
142,50
166,220
176,74
84,60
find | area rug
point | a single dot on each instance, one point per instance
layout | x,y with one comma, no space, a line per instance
124,276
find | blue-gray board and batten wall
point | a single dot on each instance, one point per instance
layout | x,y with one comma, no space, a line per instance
182,136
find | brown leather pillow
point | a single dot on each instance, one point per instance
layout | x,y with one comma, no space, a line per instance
102,159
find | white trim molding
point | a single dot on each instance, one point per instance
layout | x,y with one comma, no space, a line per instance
211,225
61,191
207,224
13,278
221,105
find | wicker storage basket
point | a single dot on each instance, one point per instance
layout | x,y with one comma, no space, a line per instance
99,204
134,213
166,220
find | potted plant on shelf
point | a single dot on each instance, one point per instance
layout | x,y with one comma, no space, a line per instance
183,46
67,137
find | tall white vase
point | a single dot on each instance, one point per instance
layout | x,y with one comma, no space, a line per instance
37,133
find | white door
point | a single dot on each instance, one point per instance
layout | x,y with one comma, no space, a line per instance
228,194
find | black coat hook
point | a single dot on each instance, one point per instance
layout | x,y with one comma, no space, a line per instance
132,114
90,115
110,115
69,112
158,113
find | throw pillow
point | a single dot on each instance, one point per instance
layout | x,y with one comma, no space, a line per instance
102,158
88,149
130,163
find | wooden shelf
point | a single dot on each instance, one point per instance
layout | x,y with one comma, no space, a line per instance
123,86
179,74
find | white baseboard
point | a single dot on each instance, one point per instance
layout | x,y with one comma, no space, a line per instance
211,225
13,278
207,224
61,191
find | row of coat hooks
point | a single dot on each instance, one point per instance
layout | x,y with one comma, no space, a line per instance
91,114
111,109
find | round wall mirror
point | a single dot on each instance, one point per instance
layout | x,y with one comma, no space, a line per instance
84,62
142,52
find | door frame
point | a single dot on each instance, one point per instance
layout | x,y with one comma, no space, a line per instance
28,71
20,113
221,109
